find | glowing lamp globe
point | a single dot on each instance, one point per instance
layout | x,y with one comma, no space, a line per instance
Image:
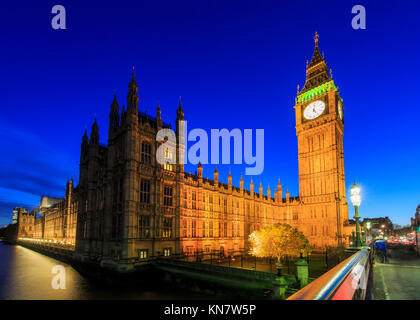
355,197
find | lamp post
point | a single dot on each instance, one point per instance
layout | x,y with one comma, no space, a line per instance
356,201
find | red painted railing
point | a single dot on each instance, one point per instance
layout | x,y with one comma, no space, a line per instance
346,281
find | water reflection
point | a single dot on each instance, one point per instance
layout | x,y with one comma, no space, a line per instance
26,274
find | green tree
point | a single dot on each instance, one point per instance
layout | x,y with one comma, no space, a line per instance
278,241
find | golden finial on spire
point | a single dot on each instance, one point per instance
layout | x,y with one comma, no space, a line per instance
331,73
298,89
316,38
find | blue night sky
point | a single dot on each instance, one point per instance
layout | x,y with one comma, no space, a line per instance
236,64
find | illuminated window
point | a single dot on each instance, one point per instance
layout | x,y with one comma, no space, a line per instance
167,252
168,166
143,254
168,160
167,227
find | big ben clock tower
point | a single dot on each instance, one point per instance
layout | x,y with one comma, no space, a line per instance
319,129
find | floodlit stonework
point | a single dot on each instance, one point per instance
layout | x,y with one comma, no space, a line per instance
128,207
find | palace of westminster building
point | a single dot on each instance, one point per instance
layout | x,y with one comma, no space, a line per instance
127,206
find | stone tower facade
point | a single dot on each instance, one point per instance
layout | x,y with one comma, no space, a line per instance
319,130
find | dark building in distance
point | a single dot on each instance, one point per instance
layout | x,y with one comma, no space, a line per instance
15,215
378,226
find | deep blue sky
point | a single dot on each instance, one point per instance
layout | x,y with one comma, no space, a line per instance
236,64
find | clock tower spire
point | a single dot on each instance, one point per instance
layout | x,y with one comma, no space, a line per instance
316,70
319,130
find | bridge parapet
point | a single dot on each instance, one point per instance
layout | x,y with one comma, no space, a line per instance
222,270
346,281
236,283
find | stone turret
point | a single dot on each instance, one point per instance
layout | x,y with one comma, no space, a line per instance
159,117
114,116
94,136
132,98
180,138
279,192
216,176
200,170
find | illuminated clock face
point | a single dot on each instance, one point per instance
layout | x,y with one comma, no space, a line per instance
314,110
340,110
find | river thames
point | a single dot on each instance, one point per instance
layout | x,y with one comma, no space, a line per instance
27,275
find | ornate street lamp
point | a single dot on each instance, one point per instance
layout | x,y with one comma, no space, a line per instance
356,200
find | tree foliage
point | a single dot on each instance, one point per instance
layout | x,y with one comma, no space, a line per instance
278,241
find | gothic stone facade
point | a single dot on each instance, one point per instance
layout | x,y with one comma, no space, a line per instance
129,207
